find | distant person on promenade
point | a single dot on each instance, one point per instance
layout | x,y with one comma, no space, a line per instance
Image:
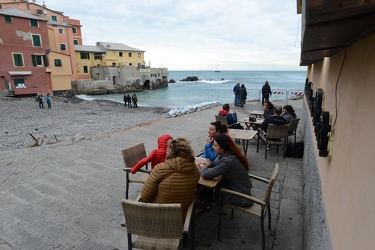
135,100
48,99
266,92
231,117
41,105
125,100
129,101
236,91
243,95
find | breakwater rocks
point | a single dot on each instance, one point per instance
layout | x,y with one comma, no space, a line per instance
190,109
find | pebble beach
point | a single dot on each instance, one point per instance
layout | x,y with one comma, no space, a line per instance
69,119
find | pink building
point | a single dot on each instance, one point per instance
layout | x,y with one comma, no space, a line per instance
23,45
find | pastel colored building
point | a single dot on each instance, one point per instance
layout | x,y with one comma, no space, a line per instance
87,57
338,47
23,44
118,54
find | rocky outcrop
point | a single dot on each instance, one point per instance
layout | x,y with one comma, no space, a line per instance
190,79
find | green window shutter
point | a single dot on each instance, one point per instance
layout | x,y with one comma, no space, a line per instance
75,42
34,23
33,58
36,41
45,60
17,59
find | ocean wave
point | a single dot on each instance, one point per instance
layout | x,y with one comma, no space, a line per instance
212,81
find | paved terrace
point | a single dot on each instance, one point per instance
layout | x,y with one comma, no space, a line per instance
67,196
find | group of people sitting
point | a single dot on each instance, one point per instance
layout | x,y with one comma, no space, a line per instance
174,165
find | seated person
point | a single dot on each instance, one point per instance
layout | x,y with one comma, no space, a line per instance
232,118
156,156
233,166
268,109
175,180
288,113
276,119
214,129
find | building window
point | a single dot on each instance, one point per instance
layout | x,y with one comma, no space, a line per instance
98,56
74,30
85,55
120,54
36,41
130,54
39,60
54,18
62,46
34,23
58,62
75,42
19,82
113,64
18,60
85,69
61,31
130,64
8,19
139,55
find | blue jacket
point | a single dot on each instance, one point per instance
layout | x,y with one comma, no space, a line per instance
209,152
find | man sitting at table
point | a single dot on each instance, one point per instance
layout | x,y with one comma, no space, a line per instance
276,119
231,117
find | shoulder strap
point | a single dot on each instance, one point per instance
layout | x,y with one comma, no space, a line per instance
169,174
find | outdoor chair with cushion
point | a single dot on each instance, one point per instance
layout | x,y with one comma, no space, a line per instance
131,157
275,135
261,204
157,226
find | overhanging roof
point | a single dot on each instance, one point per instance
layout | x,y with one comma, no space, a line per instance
331,25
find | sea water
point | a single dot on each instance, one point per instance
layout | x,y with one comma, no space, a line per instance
214,87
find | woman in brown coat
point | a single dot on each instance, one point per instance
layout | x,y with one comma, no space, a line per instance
175,180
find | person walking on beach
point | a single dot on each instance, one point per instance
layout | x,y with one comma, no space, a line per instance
48,99
243,95
41,101
266,92
125,99
129,101
135,100
236,91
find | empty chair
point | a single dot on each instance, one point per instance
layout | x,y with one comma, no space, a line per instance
261,204
224,120
157,226
293,129
275,135
131,156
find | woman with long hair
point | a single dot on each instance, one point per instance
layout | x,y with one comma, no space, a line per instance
268,109
233,166
214,129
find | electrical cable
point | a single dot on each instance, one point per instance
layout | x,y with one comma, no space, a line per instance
337,83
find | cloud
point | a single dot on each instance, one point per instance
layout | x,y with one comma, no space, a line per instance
195,35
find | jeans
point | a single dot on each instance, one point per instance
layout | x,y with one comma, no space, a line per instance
236,99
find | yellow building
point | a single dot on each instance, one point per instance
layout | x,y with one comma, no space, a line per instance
87,57
118,54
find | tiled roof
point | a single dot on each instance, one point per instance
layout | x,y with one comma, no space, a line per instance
12,11
51,22
88,48
118,46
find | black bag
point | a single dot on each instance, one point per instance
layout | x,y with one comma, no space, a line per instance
252,119
294,150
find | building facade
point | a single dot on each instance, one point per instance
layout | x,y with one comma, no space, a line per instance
338,48
118,54
24,41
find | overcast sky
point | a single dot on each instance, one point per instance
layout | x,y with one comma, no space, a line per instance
195,34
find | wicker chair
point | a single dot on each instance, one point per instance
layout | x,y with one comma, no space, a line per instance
131,157
276,134
261,205
224,120
157,226
293,129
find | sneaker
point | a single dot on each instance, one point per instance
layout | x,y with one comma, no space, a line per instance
268,146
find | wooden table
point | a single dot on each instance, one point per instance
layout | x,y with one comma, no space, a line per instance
250,124
245,135
257,113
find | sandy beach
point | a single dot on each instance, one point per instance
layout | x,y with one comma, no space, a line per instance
68,119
